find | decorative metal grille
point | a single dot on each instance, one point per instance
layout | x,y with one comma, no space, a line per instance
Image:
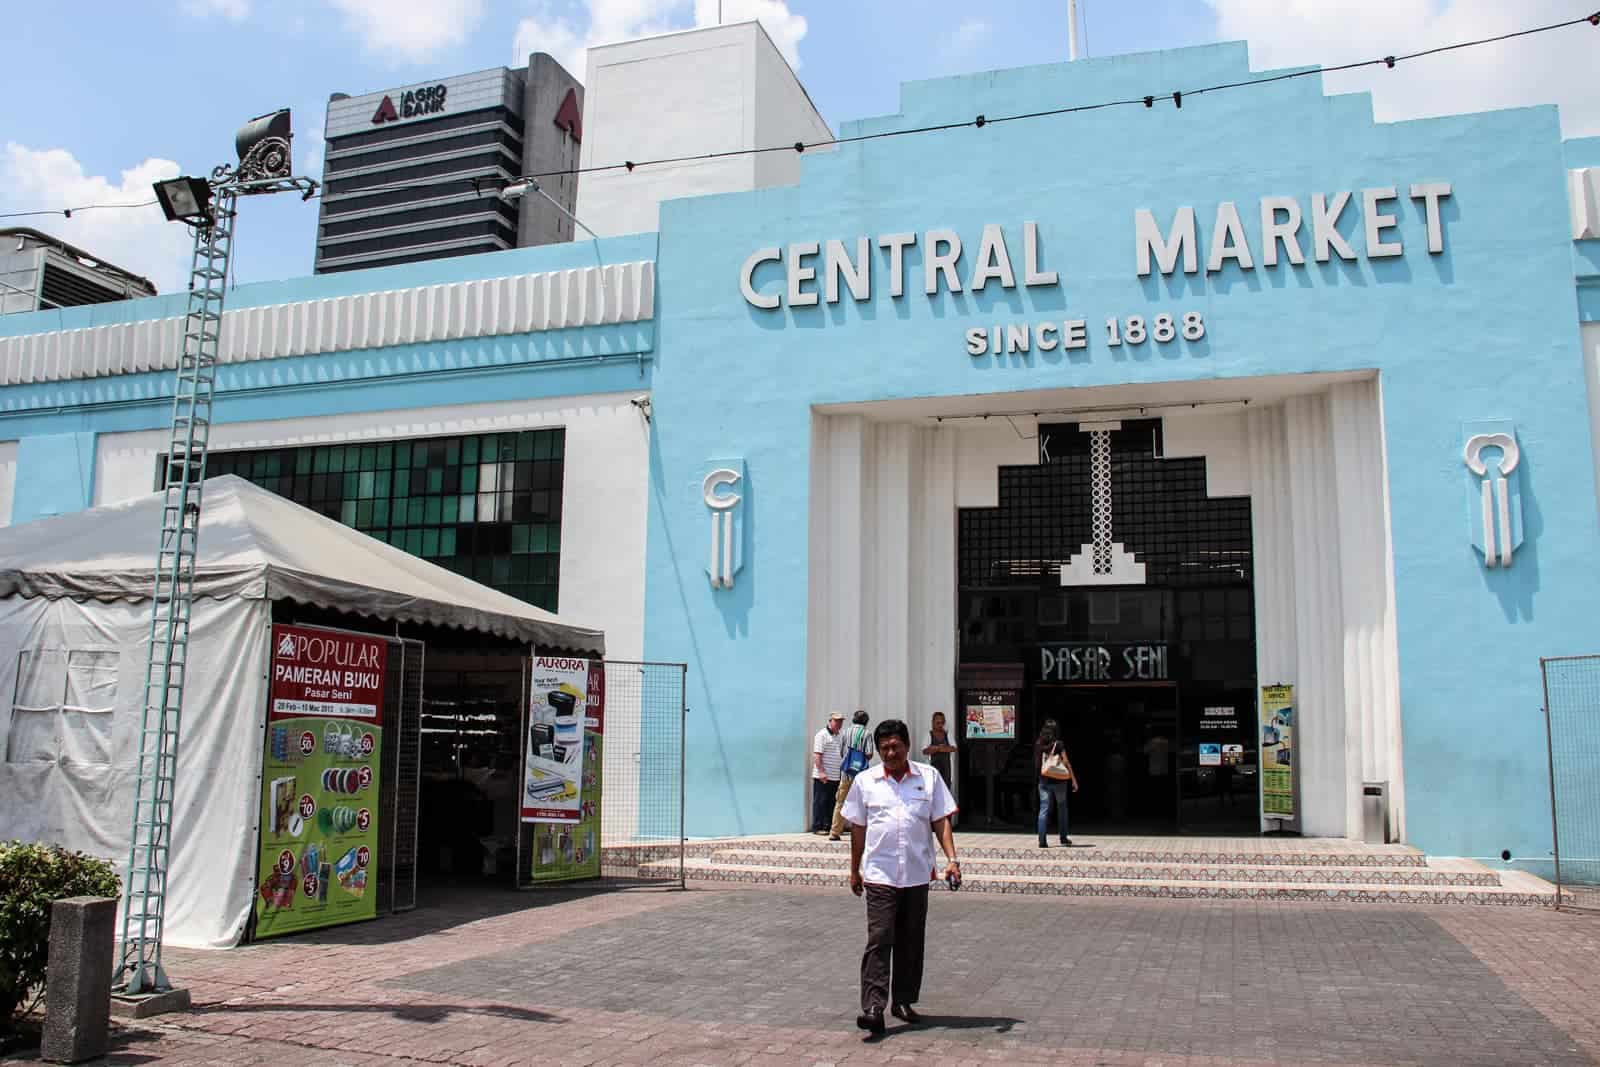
1048,511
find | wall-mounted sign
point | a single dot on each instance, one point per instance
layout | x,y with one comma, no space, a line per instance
1090,662
319,839
820,271
720,491
991,715
1222,718
414,103
569,116
1495,501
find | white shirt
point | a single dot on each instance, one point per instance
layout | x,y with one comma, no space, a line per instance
899,817
831,747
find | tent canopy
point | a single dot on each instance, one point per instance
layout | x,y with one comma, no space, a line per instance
257,545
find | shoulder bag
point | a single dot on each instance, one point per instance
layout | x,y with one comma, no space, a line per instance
1055,766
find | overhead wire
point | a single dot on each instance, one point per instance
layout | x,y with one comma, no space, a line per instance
1175,97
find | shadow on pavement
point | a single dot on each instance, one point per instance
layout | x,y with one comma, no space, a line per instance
416,1013
1000,1024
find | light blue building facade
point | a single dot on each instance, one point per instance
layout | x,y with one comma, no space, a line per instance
1112,417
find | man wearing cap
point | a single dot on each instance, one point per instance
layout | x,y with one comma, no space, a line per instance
826,754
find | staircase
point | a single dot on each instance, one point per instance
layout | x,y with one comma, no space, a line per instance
1291,869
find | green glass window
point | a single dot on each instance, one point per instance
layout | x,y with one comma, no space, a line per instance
486,506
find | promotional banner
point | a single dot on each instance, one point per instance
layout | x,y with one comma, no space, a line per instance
1277,751
562,767
991,715
319,786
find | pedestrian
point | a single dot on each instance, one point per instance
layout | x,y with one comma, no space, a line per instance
856,743
939,748
903,806
1054,769
826,756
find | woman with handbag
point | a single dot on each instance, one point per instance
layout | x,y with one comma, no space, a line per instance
1055,779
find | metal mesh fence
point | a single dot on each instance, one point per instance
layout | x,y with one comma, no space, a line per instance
1572,712
642,759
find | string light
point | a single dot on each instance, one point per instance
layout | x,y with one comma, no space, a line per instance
1147,101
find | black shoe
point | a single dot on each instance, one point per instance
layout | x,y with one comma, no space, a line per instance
906,1012
1066,842
1043,843
870,1020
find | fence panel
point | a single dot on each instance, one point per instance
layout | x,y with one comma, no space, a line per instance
1572,714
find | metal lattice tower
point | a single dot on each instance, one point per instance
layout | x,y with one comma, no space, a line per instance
144,900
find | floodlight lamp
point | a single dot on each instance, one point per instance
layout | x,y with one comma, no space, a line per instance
185,199
518,189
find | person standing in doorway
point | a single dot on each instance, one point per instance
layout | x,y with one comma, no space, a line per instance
940,748
1049,760
856,743
895,811
826,756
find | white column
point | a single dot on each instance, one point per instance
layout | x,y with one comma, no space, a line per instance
1272,533
1319,690
1372,686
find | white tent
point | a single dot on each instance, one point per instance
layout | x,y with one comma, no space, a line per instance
74,630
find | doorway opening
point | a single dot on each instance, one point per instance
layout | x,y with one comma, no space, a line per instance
1148,672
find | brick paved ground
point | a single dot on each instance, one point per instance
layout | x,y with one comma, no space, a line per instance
768,977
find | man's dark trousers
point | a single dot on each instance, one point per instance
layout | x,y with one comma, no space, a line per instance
897,925
822,793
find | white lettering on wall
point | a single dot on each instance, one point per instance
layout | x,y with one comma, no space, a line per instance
1157,249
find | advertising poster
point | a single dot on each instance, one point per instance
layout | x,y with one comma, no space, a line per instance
319,804
562,767
991,716
1277,751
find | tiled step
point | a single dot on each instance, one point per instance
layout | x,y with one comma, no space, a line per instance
1177,853
1524,891
1084,864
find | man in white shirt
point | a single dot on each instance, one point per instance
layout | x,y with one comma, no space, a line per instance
827,752
895,810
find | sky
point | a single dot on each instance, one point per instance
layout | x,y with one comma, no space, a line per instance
104,97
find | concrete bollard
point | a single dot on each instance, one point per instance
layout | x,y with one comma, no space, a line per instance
77,1017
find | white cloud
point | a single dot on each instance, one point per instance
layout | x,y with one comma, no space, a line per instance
1555,67
238,10
138,239
410,30
619,20
968,38
784,27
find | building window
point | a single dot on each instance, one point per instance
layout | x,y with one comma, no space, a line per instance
487,506
61,711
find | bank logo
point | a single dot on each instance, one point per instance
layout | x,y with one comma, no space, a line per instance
1495,501
385,113
719,491
286,647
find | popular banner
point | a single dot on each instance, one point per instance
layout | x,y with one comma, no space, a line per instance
1277,751
562,767
319,803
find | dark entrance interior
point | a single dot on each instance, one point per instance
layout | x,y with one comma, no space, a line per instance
1153,684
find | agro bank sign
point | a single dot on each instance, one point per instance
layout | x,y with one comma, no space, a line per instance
817,272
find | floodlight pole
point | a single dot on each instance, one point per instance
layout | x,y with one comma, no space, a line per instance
264,168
